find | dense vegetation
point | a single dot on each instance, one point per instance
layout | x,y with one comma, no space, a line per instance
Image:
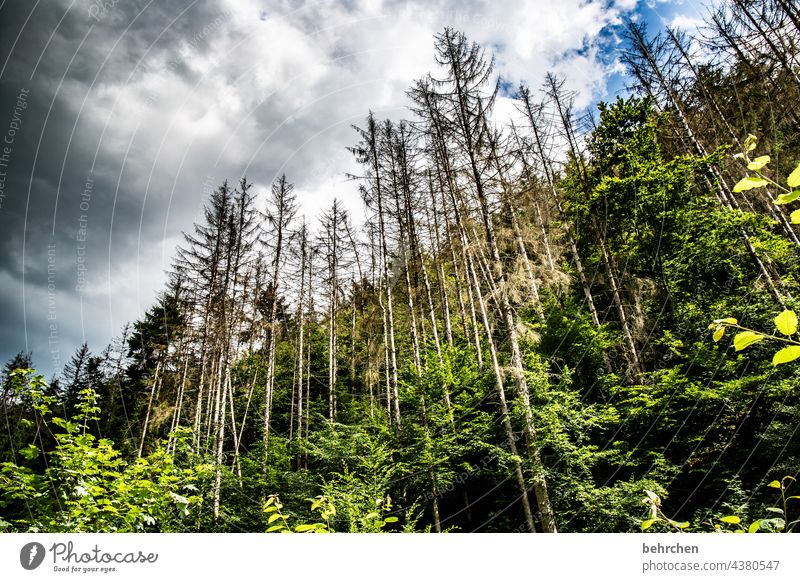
517,339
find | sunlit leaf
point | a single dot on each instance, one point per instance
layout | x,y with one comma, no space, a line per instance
719,333
749,183
786,198
731,519
775,485
746,339
758,163
794,178
786,355
786,322
647,523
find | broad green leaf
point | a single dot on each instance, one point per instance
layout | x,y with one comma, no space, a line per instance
274,517
647,523
786,355
278,527
390,519
786,322
749,183
731,519
683,524
786,198
730,320
309,527
795,217
719,333
794,178
758,163
754,527
775,485
775,510
746,339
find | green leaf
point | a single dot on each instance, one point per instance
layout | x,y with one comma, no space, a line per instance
746,339
758,163
683,524
731,519
30,452
775,510
754,527
786,198
749,183
795,217
719,333
390,519
794,178
647,523
730,320
775,485
786,322
750,142
278,527
274,517
304,527
786,355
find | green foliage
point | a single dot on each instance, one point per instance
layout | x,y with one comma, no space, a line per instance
96,490
728,523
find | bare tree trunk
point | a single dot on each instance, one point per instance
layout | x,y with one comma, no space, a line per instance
156,380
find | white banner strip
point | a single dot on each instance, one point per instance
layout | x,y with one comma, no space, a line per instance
387,557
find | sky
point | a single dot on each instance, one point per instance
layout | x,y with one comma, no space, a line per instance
118,117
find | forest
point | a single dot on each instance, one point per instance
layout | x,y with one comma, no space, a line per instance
572,321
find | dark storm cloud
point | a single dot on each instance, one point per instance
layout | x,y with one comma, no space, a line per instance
63,63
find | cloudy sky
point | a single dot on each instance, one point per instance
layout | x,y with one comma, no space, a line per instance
118,116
